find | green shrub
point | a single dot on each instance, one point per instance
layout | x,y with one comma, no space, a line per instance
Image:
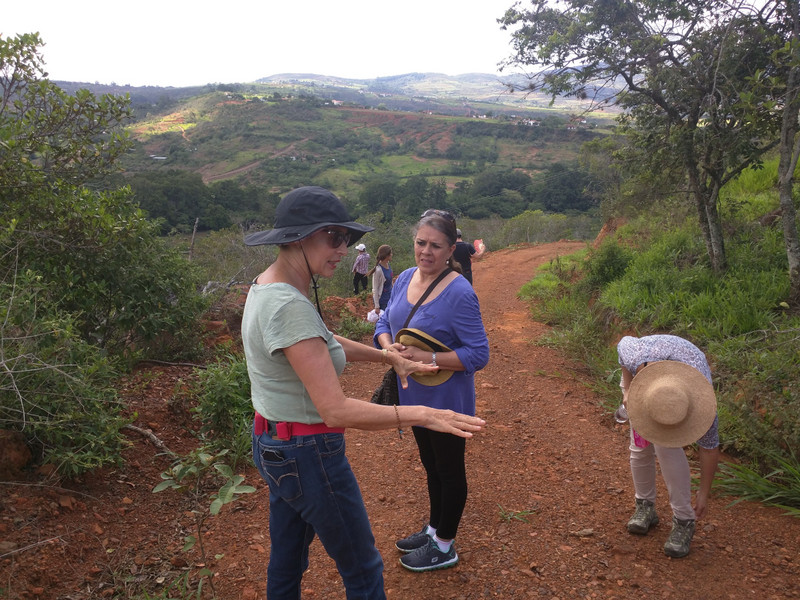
579,329
606,264
55,387
758,375
223,407
84,278
223,258
192,475
538,227
353,327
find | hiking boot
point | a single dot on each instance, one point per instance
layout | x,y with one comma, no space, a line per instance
680,538
644,517
429,557
414,541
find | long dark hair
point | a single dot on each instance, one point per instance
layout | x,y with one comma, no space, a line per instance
383,252
445,223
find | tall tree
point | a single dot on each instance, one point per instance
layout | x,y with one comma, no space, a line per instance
47,134
678,68
789,146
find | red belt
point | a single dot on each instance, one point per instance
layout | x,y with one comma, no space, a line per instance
284,430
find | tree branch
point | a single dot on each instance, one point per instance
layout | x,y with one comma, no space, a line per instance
152,437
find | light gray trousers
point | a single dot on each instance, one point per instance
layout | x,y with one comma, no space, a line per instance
675,471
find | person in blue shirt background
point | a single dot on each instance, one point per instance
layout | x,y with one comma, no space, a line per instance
382,277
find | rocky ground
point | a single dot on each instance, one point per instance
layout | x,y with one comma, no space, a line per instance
550,493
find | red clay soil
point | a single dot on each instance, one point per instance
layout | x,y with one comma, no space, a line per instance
550,493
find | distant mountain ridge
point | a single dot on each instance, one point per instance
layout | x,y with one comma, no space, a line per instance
472,86
408,91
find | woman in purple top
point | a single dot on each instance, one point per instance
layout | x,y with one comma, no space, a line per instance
634,354
450,314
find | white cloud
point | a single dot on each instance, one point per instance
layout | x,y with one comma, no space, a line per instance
178,43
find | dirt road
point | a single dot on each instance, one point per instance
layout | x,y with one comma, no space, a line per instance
550,494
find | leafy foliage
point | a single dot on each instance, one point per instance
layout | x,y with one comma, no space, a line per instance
606,264
669,286
538,227
354,327
178,199
84,277
223,409
684,73
54,385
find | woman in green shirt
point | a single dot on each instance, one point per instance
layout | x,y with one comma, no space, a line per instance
294,362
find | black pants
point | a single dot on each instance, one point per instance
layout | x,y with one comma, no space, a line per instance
442,455
359,279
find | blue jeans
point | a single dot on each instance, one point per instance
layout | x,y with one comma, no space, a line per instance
312,490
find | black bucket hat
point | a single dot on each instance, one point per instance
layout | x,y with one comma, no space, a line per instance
303,211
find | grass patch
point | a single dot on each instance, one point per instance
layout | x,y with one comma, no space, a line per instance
514,515
779,487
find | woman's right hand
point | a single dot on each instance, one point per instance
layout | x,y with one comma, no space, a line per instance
448,421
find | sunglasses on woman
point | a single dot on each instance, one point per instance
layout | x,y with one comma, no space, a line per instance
439,213
338,237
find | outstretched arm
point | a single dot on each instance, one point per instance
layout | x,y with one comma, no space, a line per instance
709,459
358,352
312,363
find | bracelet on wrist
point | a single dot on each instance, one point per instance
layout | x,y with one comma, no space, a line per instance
384,353
399,425
433,359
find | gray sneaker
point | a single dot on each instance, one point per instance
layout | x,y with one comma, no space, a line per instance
644,517
680,538
430,558
414,541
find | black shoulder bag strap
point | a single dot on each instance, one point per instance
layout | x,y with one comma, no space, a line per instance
427,293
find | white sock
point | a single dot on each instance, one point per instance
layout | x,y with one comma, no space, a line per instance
430,531
444,546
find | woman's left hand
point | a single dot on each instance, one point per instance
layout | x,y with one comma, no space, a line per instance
700,506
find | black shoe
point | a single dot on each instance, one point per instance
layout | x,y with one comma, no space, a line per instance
414,541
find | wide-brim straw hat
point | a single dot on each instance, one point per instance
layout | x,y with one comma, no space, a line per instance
671,404
303,211
420,339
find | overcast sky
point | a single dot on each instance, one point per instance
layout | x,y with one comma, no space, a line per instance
181,43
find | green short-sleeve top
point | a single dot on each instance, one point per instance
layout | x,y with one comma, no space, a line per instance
277,316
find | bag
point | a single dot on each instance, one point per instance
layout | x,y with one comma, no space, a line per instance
387,392
374,315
